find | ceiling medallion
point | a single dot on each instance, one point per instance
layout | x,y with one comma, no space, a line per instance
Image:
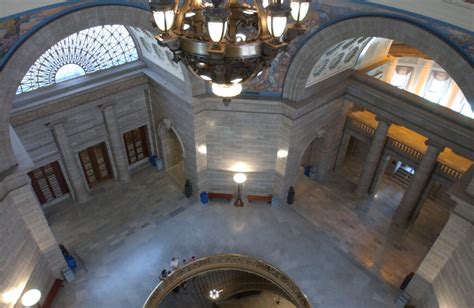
227,43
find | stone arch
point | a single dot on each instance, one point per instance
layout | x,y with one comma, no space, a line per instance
166,132
40,41
454,63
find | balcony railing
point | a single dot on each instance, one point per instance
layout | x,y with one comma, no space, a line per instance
361,127
450,173
405,149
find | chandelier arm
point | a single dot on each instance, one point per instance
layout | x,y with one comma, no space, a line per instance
262,16
180,12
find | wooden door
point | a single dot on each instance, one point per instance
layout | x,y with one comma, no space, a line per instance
48,182
136,144
96,164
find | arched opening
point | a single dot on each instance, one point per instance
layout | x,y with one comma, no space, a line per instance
314,48
47,36
370,217
171,152
363,227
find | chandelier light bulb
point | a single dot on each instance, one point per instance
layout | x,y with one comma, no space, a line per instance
164,19
226,90
31,297
186,27
265,3
214,294
205,77
240,37
276,25
299,9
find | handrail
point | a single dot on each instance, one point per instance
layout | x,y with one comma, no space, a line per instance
228,262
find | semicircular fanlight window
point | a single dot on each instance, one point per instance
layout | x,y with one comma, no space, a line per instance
81,53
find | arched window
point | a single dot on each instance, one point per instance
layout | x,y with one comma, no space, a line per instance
81,53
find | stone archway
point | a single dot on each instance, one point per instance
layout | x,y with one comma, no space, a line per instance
42,40
387,27
171,150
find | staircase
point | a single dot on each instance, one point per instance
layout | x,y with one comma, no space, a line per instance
401,177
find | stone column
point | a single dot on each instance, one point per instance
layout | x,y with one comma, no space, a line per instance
80,192
373,157
341,154
379,172
418,183
116,145
423,77
390,70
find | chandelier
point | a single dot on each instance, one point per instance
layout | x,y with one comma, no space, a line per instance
227,43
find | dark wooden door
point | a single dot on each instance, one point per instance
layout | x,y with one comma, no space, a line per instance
96,164
136,144
48,182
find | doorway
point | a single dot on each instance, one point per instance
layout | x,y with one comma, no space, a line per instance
96,164
48,182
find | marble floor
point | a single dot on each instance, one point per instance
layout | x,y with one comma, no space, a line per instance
128,233
362,227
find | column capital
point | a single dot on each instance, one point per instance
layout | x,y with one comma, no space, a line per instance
56,122
428,63
435,144
106,105
384,119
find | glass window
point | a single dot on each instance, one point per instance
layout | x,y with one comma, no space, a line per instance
81,53
401,77
436,86
462,106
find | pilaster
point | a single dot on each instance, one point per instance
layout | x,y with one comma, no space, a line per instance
80,192
116,145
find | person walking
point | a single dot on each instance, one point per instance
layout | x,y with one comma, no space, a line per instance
163,275
174,263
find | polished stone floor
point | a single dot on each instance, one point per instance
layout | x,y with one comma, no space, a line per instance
362,227
127,234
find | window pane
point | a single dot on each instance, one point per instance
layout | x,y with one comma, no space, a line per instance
81,53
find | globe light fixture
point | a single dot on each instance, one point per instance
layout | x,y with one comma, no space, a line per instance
31,297
226,43
214,294
239,178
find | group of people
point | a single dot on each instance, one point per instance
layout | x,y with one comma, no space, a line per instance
175,264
